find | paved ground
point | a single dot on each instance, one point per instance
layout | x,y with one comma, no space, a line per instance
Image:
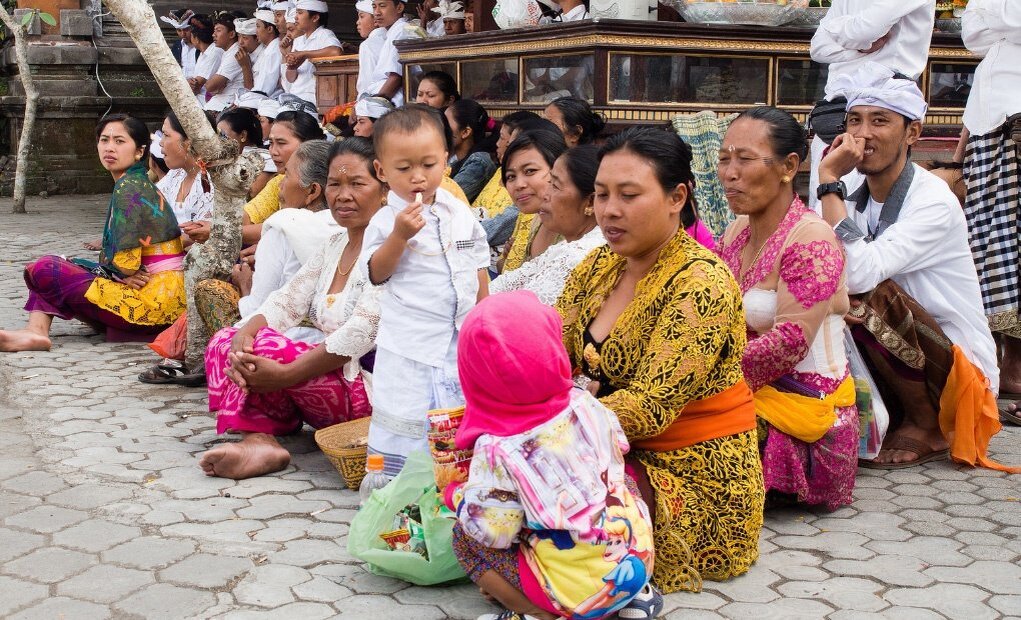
104,512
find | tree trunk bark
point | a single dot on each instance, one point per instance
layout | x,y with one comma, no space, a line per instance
230,174
31,99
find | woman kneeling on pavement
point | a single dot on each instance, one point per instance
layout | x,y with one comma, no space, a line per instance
263,384
136,288
654,320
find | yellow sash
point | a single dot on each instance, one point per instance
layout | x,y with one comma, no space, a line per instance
802,417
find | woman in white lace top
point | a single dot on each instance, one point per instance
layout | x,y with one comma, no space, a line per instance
567,211
263,384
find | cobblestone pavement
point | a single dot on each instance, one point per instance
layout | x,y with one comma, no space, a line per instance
105,513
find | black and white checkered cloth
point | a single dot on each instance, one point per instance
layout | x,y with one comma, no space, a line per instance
993,209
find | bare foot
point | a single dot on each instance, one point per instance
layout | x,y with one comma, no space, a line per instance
932,438
257,454
23,340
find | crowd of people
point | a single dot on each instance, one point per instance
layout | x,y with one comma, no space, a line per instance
635,386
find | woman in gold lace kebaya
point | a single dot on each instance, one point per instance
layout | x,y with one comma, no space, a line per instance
655,321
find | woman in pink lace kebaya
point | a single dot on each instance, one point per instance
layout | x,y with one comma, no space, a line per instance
790,267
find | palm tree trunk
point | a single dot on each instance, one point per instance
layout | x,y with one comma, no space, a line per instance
31,99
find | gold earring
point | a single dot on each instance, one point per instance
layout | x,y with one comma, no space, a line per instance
588,211
786,179
383,201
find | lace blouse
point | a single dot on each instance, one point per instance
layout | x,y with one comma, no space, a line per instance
349,318
196,206
546,274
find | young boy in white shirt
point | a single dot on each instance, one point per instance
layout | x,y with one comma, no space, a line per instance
388,73
317,41
430,253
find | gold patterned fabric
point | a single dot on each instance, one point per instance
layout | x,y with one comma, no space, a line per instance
159,302
493,198
266,202
679,340
217,303
517,253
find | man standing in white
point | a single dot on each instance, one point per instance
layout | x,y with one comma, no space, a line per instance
368,51
298,74
916,310
262,72
892,33
992,29
225,84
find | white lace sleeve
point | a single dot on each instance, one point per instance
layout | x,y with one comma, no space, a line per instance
546,274
357,336
288,306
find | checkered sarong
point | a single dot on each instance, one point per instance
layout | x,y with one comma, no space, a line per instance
993,207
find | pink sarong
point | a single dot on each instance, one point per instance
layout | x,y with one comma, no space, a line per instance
320,402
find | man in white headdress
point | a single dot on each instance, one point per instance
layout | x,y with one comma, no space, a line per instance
228,80
368,110
368,50
183,50
451,16
316,41
892,33
387,78
917,312
263,75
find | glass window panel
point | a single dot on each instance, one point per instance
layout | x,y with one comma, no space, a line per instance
549,77
490,80
415,73
800,82
950,83
650,78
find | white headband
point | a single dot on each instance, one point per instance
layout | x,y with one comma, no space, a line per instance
312,5
291,17
364,6
178,23
154,147
450,10
282,6
248,99
268,108
245,26
265,15
264,4
373,107
875,85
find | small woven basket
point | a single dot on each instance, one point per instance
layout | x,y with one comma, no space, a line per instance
346,447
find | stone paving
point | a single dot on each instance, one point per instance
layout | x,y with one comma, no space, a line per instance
104,512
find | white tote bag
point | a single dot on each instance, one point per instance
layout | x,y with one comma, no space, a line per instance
873,415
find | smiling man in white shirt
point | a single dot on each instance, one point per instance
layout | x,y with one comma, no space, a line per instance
298,73
992,29
917,313
892,33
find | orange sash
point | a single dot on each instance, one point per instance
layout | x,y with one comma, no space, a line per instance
730,412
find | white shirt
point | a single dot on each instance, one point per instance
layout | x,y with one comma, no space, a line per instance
992,29
266,69
196,206
389,60
349,318
205,67
546,274
436,281
926,252
435,28
853,25
872,213
576,14
368,54
304,85
230,69
187,59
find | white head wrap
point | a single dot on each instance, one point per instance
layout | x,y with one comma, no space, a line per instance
178,22
874,84
154,147
245,26
295,103
283,6
364,6
264,4
291,17
373,107
216,104
265,15
248,99
312,5
268,108
450,10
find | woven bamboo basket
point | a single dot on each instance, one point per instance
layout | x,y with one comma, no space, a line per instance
345,445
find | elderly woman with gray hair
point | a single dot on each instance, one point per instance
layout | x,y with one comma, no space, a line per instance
289,237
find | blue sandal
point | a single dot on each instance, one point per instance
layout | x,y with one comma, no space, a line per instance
645,605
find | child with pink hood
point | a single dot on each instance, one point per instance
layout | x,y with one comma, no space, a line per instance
546,524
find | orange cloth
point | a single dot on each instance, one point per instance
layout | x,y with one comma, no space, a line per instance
730,412
968,416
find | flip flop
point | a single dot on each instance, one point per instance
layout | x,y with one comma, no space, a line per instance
1004,402
163,374
925,455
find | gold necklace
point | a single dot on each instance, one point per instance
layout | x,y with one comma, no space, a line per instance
340,262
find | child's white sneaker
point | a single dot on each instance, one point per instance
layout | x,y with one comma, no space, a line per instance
645,605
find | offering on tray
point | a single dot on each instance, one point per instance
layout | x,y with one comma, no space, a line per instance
450,464
750,12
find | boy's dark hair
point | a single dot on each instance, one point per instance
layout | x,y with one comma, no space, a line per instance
406,120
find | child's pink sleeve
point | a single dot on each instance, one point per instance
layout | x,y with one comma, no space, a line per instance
700,233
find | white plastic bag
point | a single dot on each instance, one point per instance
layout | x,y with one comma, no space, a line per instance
874,417
516,13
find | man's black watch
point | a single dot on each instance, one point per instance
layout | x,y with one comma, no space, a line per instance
837,187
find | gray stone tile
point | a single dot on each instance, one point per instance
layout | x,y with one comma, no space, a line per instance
305,611
206,571
14,543
891,569
365,606
105,583
63,607
46,519
88,496
949,599
309,552
930,550
95,535
49,565
840,592
37,483
782,608
995,577
150,552
270,585
163,600
18,593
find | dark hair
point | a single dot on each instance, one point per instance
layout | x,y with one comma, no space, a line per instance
550,145
303,125
582,164
577,113
444,82
324,18
468,113
243,119
160,163
358,146
272,25
226,19
136,129
407,120
513,120
202,28
669,156
786,135
536,123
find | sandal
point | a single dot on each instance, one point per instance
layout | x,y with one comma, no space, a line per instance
925,454
163,374
646,604
1004,403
